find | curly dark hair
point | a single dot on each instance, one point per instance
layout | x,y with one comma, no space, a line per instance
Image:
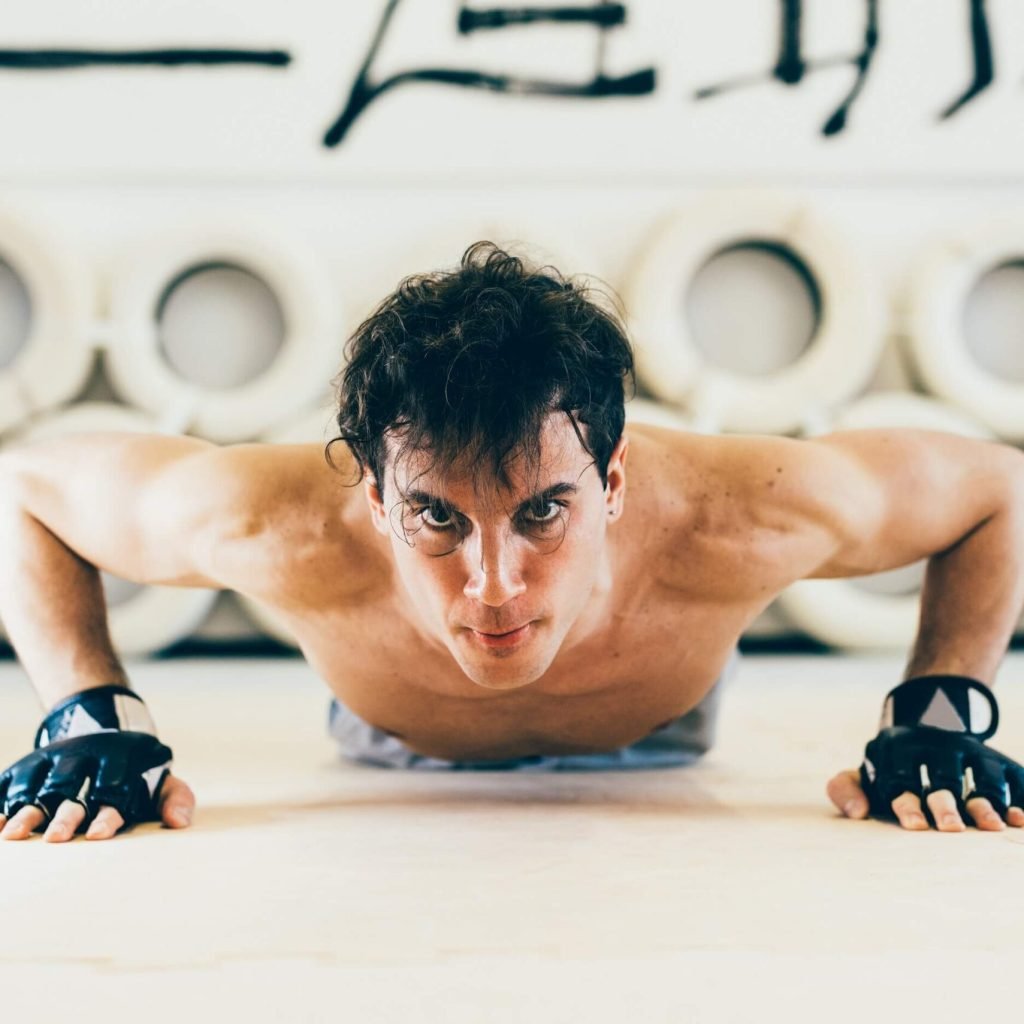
466,364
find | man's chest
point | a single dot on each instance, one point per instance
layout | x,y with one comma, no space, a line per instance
657,663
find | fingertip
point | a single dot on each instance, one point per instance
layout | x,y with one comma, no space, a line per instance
178,817
854,809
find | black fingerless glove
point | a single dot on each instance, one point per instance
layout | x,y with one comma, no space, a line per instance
930,738
98,748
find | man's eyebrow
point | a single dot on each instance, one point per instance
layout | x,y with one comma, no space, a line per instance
554,491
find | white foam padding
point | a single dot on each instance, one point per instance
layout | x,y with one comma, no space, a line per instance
309,356
844,350
53,364
933,323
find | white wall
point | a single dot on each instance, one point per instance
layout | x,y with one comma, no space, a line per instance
265,124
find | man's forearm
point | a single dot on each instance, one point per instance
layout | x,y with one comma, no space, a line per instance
53,609
972,599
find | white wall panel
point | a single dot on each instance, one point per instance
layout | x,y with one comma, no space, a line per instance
257,122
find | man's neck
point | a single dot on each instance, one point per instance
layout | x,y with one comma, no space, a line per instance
596,616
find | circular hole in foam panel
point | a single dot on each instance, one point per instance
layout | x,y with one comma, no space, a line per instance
993,321
15,314
219,325
116,590
908,579
753,308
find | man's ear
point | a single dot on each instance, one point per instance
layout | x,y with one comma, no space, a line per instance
615,488
375,499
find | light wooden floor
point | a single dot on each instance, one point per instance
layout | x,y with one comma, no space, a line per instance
311,889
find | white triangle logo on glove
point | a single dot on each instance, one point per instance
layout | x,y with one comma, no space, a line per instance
941,714
79,723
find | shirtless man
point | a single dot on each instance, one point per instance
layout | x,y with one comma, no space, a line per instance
471,577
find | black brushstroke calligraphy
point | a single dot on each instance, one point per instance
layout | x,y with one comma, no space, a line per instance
984,65
791,67
64,60
601,16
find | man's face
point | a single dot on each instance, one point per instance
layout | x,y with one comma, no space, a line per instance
500,575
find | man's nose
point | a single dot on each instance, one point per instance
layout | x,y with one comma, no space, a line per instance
495,576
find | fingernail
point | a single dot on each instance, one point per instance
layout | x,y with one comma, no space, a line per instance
950,819
58,830
852,809
183,814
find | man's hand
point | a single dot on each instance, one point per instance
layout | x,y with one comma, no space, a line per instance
177,804
844,790
97,766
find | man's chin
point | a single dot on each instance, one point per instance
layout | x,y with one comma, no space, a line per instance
488,682
503,668
501,673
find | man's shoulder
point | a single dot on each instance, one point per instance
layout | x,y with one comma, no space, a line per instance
743,512
261,481
764,474
286,509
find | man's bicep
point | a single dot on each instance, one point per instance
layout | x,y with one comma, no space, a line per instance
895,497
145,507
190,516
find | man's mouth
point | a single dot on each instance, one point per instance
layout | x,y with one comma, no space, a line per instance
507,639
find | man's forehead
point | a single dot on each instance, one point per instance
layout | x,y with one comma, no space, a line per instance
562,457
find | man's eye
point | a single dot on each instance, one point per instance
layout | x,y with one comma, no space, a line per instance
436,517
537,514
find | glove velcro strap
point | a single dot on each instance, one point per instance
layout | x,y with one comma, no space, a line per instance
951,703
103,709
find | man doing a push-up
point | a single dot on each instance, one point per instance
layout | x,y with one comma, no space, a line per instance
472,578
